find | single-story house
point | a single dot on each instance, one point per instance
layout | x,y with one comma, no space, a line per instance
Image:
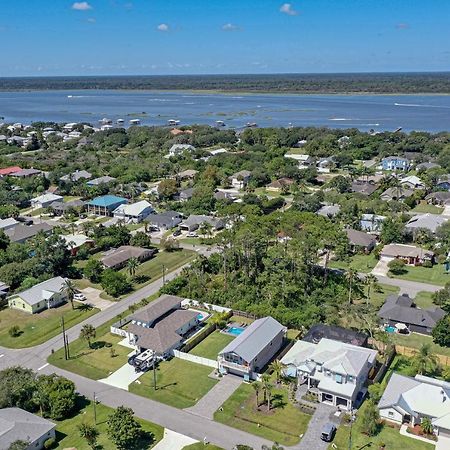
60,208
329,210
26,173
363,188
42,201
371,223
335,333
324,165
218,151
45,295
256,346
396,193
426,221
427,166
224,195
395,163
105,205
186,194
188,174
193,222
161,325
410,400
240,179
118,258
77,176
444,182
304,161
165,220
101,180
76,241
9,170
440,198
280,185
410,254
19,425
177,149
21,233
402,309
335,371
360,241
9,222
134,212
412,182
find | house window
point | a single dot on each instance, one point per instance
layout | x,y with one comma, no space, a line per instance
350,378
338,378
319,367
390,414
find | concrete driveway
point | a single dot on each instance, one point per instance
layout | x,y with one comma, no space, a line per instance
94,299
123,377
173,441
443,443
381,269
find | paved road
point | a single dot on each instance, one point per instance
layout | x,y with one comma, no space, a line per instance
409,287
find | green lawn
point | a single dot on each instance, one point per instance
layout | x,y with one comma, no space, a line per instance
360,262
68,436
391,437
433,275
423,208
179,383
201,446
38,328
415,340
212,345
424,299
95,362
284,424
378,296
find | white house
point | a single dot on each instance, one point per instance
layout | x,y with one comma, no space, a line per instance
410,400
412,182
45,200
177,149
134,212
240,179
333,370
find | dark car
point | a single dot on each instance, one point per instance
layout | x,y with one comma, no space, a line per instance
176,233
328,432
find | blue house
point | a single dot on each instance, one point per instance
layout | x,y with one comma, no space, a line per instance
395,163
444,183
105,205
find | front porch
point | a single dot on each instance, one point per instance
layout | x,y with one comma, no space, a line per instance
310,386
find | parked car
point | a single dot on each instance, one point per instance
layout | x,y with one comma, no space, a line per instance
79,296
328,432
192,234
176,233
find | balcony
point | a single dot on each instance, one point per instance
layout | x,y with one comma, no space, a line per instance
231,365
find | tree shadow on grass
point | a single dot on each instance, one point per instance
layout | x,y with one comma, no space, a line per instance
98,345
166,386
278,401
145,441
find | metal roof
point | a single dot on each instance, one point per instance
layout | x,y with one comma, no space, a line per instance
42,291
107,201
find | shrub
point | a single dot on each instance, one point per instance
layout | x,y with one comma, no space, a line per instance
397,266
427,264
14,331
49,443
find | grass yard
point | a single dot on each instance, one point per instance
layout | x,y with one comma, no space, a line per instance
360,262
212,345
391,437
179,383
96,362
201,446
423,208
38,328
284,424
424,299
68,436
434,275
415,340
378,296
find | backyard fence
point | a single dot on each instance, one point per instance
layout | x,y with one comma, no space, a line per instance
116,327
196,339
207,306
244,314
195,359
384,367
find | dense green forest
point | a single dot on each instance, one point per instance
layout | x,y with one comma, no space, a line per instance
378,83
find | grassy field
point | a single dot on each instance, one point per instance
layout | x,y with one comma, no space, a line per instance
391,437
423,208
360,262
38,328
424,299
68,436
378,296
415,340
433,275
179,383
212,345
284,424
95,362
201,446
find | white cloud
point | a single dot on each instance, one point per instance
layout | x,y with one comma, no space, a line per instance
230,27
163,27
81,6
288,9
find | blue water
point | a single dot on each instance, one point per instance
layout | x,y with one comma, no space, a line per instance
235,330
378,112
389,329
200,316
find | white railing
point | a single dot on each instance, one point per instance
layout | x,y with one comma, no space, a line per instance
118,331
208,306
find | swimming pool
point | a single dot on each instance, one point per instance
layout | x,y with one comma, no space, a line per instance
201,316
389,329
236,331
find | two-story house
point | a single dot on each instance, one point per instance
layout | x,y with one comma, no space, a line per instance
240,179
395,163
335,371
248,354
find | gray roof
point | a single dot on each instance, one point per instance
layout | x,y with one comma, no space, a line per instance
395,388
397,193
186,193
157,308
441,196
167,218
100,180
25,173
194,219
77,175
122,254
428,221
64,206
360,238
18,424
406,251
254,338
427,165
401,309
329,210
22,232
363,188
42,291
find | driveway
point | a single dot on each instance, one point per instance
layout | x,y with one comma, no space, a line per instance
173,441
443,443
123,377
381,269
216,397
94,299
322,415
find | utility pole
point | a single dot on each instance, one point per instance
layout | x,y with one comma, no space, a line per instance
154,371
66,354
95,409
351,425
164,274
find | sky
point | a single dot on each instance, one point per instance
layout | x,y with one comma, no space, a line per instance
157,37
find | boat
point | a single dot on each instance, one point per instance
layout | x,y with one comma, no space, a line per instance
173,122
251,125
220,123
135,122
398,130
120,121
105,121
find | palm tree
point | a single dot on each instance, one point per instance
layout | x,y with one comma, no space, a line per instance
370,281
424,361
350,276
132,265
277,368
257,386
269,395
87,333
426,425
265,380
89,433
70,290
